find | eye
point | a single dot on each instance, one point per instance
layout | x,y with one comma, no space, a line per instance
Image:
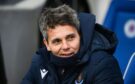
70,37
56,41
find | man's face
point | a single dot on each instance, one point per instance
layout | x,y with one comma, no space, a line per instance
63,41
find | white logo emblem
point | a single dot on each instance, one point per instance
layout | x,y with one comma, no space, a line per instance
78,82
129,28
43,73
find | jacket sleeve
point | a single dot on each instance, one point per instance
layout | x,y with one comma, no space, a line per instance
107,71
29,77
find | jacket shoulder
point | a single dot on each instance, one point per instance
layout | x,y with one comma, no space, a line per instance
33,75
104,66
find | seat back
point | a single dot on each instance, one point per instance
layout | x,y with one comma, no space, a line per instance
120,18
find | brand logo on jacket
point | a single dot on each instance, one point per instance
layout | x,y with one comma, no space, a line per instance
79,79
43,73
78,82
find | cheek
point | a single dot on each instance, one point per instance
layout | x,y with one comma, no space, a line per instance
55,49
76,44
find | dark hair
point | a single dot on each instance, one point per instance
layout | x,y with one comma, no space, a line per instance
61,15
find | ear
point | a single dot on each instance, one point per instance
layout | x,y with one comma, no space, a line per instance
46,44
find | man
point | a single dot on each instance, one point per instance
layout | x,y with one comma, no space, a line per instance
77,51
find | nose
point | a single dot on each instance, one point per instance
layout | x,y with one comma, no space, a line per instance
65,45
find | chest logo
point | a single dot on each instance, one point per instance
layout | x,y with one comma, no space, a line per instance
79,79
43,73
78,82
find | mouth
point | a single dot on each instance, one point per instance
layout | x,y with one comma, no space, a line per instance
67,55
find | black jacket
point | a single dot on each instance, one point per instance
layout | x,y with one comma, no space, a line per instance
95,61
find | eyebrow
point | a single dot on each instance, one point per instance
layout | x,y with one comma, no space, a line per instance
72,34
55,40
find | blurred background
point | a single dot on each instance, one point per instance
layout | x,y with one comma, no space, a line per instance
20,36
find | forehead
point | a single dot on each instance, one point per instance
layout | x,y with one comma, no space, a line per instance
61,31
